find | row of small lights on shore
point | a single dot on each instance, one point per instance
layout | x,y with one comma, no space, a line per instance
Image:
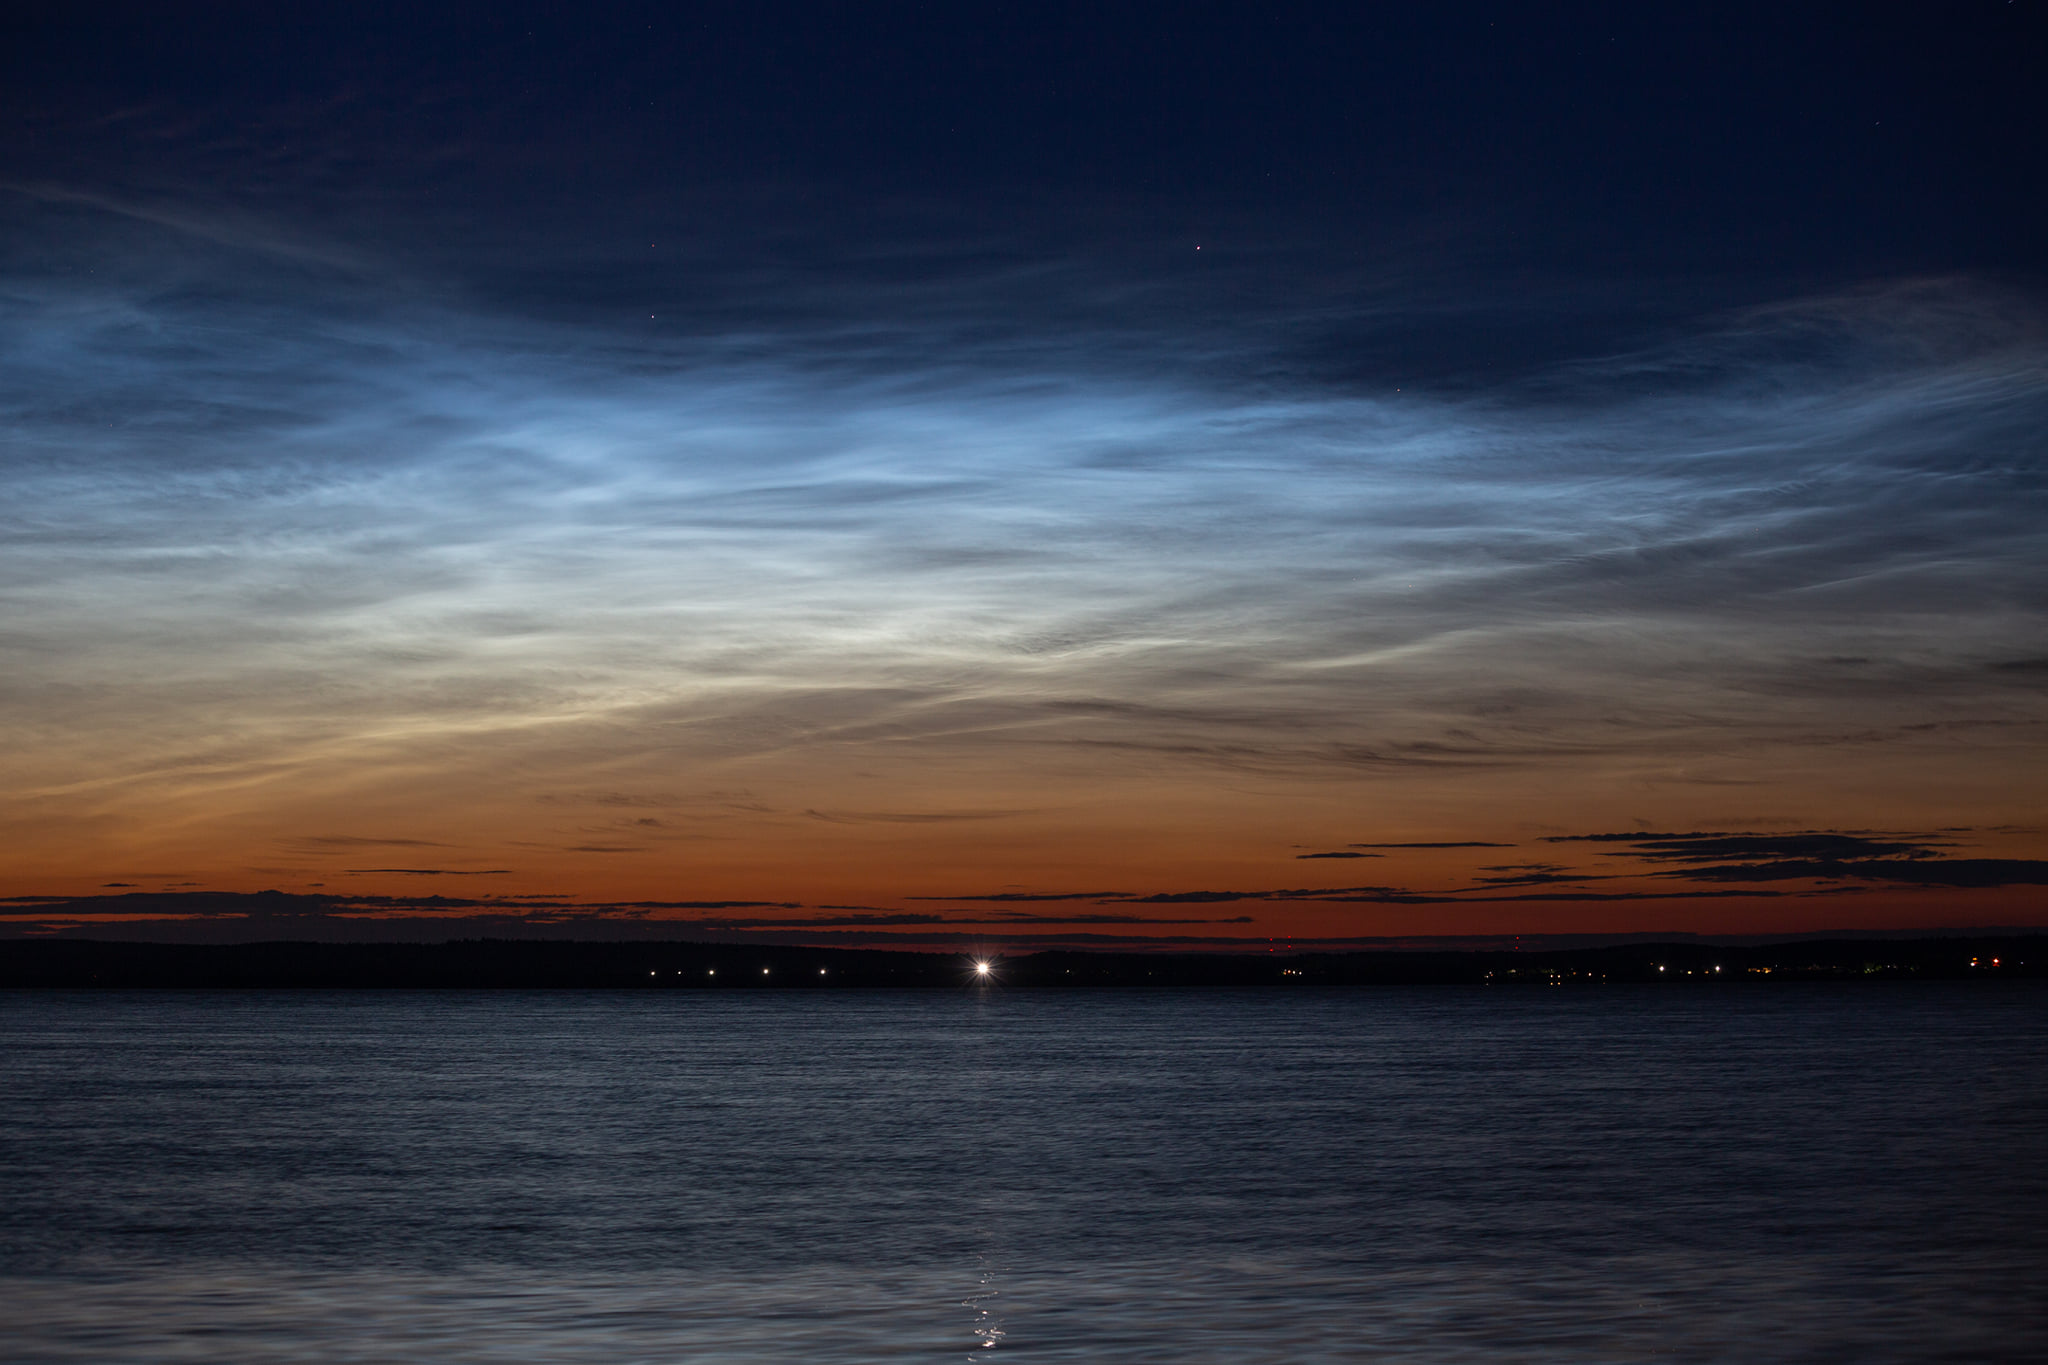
981,969
713,971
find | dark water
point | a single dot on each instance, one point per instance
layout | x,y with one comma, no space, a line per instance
1798,1173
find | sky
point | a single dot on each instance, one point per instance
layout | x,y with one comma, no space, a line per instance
1023,474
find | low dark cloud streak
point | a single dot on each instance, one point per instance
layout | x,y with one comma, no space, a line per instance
1945,872
1717,847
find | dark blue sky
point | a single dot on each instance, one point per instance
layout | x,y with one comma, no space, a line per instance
1527,178
1814,142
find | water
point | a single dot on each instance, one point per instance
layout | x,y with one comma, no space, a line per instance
1793,1173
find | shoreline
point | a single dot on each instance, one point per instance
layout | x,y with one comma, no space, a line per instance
499,964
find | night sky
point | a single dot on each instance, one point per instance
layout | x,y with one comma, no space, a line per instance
1024,473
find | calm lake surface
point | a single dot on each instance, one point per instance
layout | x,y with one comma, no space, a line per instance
1784,1173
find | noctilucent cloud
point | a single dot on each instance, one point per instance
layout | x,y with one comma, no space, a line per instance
439,486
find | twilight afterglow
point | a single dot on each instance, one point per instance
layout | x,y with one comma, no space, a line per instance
501,480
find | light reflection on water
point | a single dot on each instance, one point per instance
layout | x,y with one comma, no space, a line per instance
988,1323
1802,1174
1112,1312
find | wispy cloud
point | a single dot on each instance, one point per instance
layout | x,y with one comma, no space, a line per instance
1815,855
1954,872
1716,847
1017,517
